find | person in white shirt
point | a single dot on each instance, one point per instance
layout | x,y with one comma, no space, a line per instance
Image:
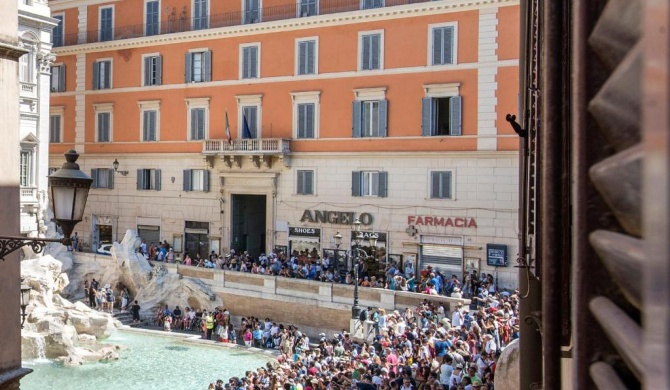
446,370
456,376
490,347
457,316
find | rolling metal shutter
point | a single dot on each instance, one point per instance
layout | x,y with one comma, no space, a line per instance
149,234
445,258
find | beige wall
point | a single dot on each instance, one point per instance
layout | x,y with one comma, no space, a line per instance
10,343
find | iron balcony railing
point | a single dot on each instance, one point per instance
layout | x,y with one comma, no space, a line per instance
254,146
175,23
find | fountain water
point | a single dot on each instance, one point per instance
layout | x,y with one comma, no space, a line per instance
40,347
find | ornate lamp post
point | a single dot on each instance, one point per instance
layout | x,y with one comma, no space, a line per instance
68,189
25,298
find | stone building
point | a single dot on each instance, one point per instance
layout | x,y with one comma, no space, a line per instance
272,127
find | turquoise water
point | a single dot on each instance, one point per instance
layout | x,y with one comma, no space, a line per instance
149,362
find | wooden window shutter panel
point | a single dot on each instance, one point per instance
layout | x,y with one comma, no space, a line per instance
356,183
140,179
208,65
157,184
383,184
205,178
188,75
187,180
455,107
427,117
356,121
383,118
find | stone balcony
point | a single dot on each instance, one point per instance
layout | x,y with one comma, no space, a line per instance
29,195
260,152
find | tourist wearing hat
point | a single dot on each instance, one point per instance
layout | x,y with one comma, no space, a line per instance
457,375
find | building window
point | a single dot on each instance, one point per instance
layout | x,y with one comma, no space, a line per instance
200,12
441,115
369,183
371,51
249,68
198,66
370,118
53,170
308,8
27,68
306,114
26,168
196,180
102,74
306,56
252,11
106,24
55,122
102,178
103,127
442,41
305,182
441,185
250,122
58,78
368,4
198,118
152,18
153,70
57,32
149,179
149,125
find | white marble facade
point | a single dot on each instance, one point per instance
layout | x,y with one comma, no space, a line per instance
34,33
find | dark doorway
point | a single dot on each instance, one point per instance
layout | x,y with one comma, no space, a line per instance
197,239
248,232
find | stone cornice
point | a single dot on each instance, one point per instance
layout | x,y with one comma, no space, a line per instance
30,19
59,5
11,51
395,12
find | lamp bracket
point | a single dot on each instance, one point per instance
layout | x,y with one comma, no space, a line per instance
11,244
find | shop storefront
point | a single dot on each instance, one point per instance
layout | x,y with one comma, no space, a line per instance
304,243
443,253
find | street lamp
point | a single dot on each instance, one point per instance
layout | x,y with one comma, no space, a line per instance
115,164
355,309
25,298
68,188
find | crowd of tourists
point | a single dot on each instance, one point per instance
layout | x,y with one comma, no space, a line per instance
307,265
103,298
426,348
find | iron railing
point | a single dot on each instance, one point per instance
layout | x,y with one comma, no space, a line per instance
176,23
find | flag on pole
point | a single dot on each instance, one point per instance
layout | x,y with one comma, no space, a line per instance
230,139
247,132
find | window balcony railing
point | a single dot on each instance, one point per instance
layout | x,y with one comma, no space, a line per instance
28,194
176,23
254,146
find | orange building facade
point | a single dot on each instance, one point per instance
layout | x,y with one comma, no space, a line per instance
389,111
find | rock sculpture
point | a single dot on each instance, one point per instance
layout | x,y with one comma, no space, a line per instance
508,368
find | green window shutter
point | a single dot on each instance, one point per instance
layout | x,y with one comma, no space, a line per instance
96,74
147,70
188,72
446,185
205,178
438,46
309,183
140,179
110,178
383,118
448,45
108,74
187,180
254,62
94,176
159,70
356,183
157,184
365,53
61,79
427,116
435,185
383,184
375,51
455,115
356,121
207,64
311,57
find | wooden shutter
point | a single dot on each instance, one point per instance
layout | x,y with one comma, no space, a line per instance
311,57
205,180
252,121
140,179
448,45
188,72
383,117
365,53
438,46
61,79
356,121
187,180
356,183
300,187
253,56
375,47
309,182
108,74
110,178
96,74
94,176
159,70
435,185
309,120
194,123
147,71
207,65
246,58
455,115
157,183
302,58
383,184
427,117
